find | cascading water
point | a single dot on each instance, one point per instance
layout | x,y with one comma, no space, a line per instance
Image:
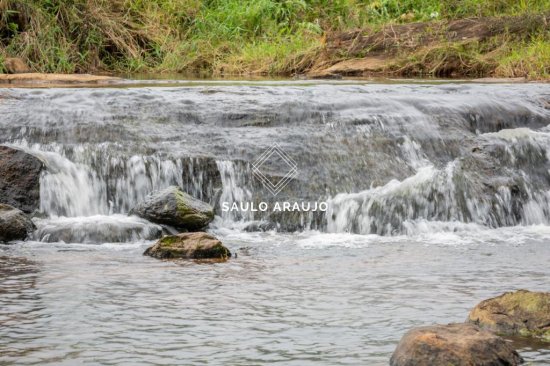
438,197
456,192
385,159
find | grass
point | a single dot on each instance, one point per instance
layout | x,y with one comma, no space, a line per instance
448,60
220,37
526,59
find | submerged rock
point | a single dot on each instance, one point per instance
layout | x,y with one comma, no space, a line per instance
197,245
14,224
95,229
20,179
521,312
453,344
260,226
175,208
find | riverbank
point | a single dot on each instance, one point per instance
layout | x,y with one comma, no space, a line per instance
291,38
474,47
37,79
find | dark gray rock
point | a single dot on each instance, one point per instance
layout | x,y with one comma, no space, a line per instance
14,224
175,208
20,179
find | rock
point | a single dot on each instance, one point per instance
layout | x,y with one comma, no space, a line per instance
20,179
521,312
260,226
453,344
14,224
175,208
198,245
56,79
15,65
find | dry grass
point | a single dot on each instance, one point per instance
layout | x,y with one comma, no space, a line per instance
272,37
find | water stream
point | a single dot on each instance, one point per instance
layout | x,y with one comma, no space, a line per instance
438,196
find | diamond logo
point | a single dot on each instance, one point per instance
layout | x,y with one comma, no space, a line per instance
274,156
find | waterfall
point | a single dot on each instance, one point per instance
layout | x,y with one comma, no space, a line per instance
388,160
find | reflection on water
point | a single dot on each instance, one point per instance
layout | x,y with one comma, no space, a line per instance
324,299
21,306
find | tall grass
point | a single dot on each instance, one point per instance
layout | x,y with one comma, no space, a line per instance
205,36
527,59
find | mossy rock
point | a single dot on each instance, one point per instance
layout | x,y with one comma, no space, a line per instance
520,313
198,245
175,208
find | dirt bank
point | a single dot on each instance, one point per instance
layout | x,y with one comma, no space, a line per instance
54,79
458,48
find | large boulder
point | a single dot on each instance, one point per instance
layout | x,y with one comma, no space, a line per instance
522,312
14,224
175,208
453,344
20,179
197,245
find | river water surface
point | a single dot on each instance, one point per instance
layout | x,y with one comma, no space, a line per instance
437,194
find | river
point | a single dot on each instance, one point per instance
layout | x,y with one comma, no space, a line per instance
437,195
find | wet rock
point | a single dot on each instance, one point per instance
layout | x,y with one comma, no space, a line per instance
19,179
198,245
260,226
522,312
15,65
175,208
453,344
14,224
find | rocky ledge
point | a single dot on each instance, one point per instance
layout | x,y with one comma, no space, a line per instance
36,78
198,245
522,313
453,344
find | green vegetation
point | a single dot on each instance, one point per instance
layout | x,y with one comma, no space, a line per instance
530,58
216,37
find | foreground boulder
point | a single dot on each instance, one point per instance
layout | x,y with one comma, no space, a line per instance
14,224
453,344
197,245
175,208
20,179
521,312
